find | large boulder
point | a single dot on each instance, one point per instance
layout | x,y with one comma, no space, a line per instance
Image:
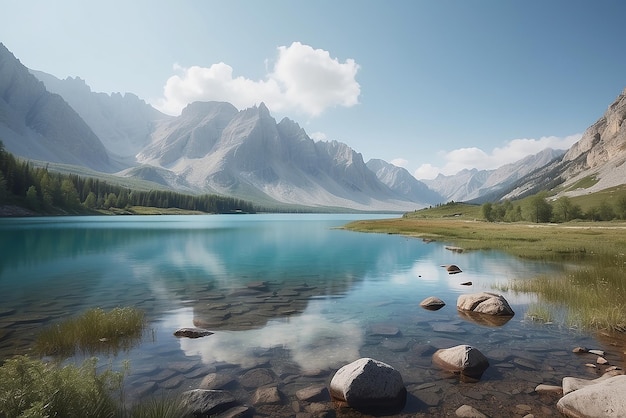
602,399
484,303
368,383
462,359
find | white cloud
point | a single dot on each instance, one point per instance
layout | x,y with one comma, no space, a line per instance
303,79
318,136
516,149
399,162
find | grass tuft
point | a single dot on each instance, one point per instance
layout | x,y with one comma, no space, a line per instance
94,331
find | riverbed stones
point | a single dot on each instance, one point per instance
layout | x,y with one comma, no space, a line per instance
570,384
368,383
485,303
192,332
432,303
462,359
603,399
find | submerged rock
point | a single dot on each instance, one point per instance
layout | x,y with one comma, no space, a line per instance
369,383
462,359
204,403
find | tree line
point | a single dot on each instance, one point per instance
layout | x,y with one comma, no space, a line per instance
540,209
44,191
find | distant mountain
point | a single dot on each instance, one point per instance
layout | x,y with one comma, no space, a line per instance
37,124
482,185
401,181
213,146
124,123
600,154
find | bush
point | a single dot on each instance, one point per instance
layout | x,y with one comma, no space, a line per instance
32,388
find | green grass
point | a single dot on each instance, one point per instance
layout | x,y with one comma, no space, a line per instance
34,389
584,183
93,331
592,291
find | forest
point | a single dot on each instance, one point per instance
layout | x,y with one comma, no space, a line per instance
46,192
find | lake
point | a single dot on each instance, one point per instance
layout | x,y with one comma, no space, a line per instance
290,299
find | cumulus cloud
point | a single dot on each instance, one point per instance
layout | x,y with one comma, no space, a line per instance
318,136
473,157
303,79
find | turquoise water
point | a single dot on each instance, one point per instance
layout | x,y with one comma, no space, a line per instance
288,293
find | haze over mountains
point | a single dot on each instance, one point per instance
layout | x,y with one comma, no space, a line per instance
214,148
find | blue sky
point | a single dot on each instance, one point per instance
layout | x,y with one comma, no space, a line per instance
431,85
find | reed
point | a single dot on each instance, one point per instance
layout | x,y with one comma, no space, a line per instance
94,331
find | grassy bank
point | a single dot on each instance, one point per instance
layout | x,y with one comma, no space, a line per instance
591,293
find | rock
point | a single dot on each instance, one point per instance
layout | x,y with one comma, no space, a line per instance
462,359
216,381
571,384
385,330
432,303
484,319
549,389
256,378
602,360
312,393
579,350
603,399
454,249
267,396
485,303
597,352
237,412
452,269
466,411
200,402
368,383
466,284
192,332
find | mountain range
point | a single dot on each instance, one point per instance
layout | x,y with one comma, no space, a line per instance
213,147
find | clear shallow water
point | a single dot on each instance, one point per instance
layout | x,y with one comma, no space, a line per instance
289,295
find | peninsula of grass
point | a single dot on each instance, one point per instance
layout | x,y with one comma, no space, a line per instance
94,331
591,290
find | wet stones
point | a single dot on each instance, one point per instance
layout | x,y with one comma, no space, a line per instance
452,269
368,383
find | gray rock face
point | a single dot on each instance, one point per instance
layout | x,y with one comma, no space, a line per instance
485,303
462,359
368,383
602,399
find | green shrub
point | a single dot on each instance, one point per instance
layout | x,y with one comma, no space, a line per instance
32,388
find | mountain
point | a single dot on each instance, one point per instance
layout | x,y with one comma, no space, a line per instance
600,154
37,124
215,147
479,186
124,123
401,181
